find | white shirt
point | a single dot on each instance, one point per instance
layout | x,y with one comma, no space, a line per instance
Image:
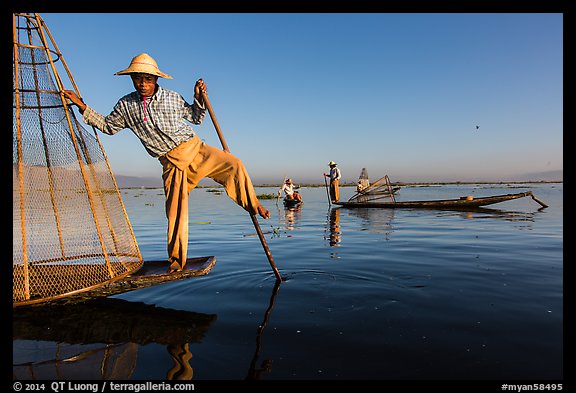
288,189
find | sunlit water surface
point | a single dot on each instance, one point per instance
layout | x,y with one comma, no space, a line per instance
405,294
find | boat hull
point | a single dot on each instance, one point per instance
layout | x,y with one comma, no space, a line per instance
151,273
463,202
291,202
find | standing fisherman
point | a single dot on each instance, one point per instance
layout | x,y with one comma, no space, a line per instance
156,116
334,176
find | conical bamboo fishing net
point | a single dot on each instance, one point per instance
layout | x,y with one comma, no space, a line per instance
71,232
380,189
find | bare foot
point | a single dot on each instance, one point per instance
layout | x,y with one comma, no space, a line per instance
174,267
264,213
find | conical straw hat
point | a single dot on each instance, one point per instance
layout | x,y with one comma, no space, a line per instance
143,63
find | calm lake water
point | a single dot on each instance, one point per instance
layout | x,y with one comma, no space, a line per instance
368,294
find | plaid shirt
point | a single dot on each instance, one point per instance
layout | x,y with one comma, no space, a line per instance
160,129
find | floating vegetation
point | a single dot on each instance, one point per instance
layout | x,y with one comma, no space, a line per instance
275,232
267,196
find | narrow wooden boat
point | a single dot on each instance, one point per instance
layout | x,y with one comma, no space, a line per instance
462,202
151,273
291,202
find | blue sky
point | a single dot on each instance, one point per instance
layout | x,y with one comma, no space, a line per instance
399,94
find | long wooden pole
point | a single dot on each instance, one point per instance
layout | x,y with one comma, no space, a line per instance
252,216
539,201
327,193
280,192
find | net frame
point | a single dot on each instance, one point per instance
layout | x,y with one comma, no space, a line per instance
71,232
380,189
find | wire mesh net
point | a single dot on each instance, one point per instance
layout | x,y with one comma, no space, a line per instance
380,189
71,232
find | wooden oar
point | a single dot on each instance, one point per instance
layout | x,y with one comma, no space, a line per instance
252,216
280,192
537,200
327,193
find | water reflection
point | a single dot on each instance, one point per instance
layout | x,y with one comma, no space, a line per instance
484,212
291,216
100,339
376,220
380,220
333,228
265,367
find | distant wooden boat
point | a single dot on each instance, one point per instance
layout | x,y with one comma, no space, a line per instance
463,202
291,202
150,274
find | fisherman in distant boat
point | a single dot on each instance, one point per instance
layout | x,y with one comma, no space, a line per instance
363,181
334,176
360,186
290,192
159,118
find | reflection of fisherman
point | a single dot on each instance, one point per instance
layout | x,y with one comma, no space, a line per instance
292,215
290,190
181,355
334,176
335,234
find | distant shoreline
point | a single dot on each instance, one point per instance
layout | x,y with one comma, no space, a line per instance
400,184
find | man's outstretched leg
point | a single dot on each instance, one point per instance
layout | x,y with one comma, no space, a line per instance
183,168
227,170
